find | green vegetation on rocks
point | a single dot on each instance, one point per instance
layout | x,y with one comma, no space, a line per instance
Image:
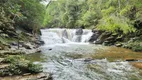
18,65
25,16
135,44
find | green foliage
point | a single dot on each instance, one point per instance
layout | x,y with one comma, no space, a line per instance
135,46
33,11
13,59
13,70
34,68
88,19
111,15
27,14
108,11
114,23
19,65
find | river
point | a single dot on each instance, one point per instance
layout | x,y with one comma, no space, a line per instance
62,57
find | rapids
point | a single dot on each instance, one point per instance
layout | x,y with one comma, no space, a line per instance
62,52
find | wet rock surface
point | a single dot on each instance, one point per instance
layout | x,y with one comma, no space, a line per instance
65,34
94,37
26,46
79,31
119,45
40,76
11,52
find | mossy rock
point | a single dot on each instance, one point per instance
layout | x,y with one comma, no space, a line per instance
137,48
134,45
19,65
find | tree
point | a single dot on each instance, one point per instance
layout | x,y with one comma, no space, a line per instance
111,15
27,14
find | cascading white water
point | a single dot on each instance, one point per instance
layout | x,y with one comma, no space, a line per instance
59,36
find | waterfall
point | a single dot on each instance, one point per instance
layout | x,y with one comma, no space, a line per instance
59,36
67,57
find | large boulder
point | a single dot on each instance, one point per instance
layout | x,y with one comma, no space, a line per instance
79,31
39,42
4,35
110,39
11,33
65,34
14,43
94,37
27,46
102,37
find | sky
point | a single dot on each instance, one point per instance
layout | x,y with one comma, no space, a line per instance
47,1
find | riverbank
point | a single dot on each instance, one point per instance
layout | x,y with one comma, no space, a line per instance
18,67
14,64
130,41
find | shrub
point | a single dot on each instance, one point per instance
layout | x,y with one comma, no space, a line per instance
13,69
34,68
134,45
19,65
137,47
12,59
115,23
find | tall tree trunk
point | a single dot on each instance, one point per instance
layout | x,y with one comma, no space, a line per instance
119,5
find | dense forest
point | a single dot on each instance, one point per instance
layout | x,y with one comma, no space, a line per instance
111,15
26,14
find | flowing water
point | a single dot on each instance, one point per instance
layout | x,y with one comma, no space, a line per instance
62,57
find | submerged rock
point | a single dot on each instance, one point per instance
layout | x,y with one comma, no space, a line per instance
130,59
50,49
87,60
